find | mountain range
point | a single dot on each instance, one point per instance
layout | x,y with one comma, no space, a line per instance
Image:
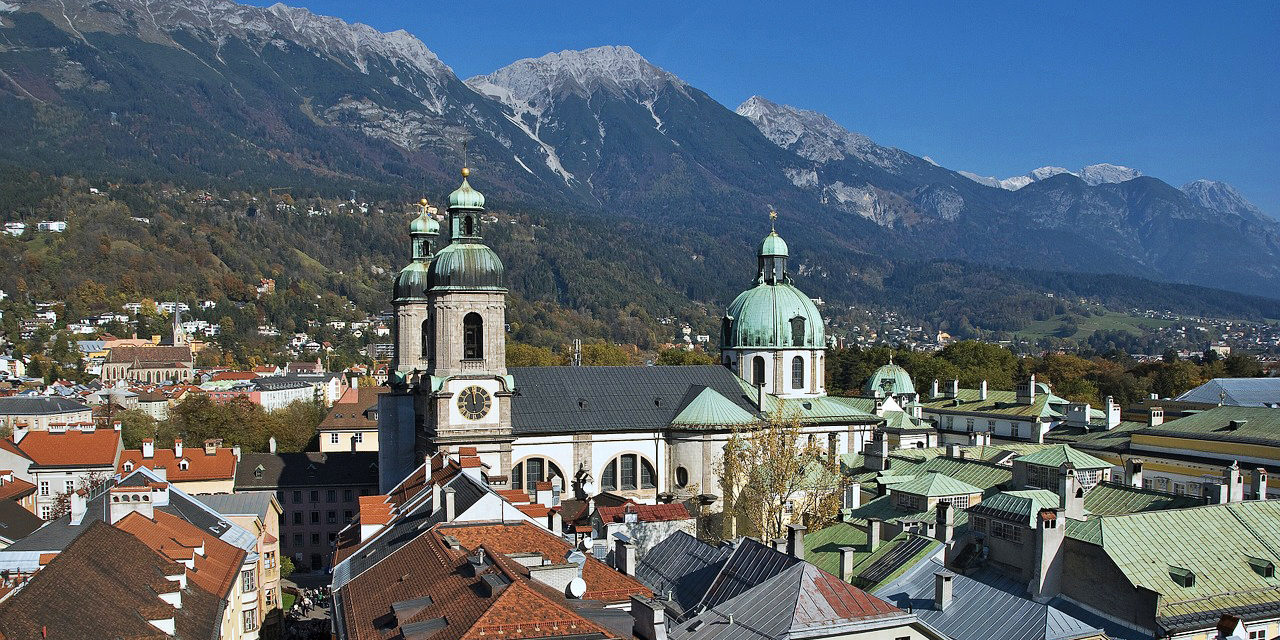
220,93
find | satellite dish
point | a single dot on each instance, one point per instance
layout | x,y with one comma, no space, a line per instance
576,589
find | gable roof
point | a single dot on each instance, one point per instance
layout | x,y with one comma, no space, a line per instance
16,522
682,568
661,512
933,484
997,404
983,605
349,412
170,536
710,409
108,576
161,356
200,466
247,503
72,448
1252,425
38,406
1020,505
1109,499
1240,392
1055,455
564,399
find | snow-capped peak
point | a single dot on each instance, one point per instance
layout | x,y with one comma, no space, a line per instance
1106,173
615,69
813,135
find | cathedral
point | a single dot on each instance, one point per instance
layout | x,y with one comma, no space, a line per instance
650,433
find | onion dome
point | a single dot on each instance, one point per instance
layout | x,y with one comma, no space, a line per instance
412,282
424,223
464,197
773,245
889,380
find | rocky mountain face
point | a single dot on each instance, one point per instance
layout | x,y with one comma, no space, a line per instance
279,96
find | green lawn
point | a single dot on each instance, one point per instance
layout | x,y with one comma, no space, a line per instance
1111,321
288,601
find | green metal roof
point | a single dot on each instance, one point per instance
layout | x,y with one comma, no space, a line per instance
467,265
762,317
412,282
889,380
1109,499
886,509
1017,505
1055,455
424,223
822,549
773,245
464,197
710,409
936,485
1220,544
820,410
1255,425
1001,404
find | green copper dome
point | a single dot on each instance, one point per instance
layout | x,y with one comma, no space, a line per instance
773,245
773,316
466,265
464,197
889,380
412,282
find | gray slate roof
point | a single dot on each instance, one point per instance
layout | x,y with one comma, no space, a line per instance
682,566
38,406
249,503
1240,392
308,469
564,399
16,522
985,604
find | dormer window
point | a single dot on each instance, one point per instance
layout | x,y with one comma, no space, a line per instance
1182,576
183,464
128,466
1262,567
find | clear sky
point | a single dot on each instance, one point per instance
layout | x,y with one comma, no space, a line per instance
1177,90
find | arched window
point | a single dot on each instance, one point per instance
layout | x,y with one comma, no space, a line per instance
472,336
468,226
757,370
797,373
797,331
529,472
628,472
426,338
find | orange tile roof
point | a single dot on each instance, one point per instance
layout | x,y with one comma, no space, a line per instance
72,448
233,375
15,489
374,510
645,512
603,583
219,466
216,571
8,445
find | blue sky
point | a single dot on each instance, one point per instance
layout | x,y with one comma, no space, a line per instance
1178,90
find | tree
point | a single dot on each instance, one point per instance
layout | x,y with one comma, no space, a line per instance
524,355
604,354
135,426
678,356
286,567
769,478
90,483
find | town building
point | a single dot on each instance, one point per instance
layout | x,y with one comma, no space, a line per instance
16,522
30,412
352,421
965,416
318,494
651,434
207,469
12,487
149,362
65,460
1237,392
259,513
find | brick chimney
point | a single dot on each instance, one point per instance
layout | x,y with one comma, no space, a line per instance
944,529
79,505
1156,417
624,554
1133,472
211,446
1026,391
555,522
1070,492
982,390
121,501
955,388
1234,481
450,504
876,456
1113,413
933,391
873,534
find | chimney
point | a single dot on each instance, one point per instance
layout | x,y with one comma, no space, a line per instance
780,545
211,446
79,504
1259,484
942,589
1113,413
177,448
235,451
123,502
271,444
1078,414
1156,418
160,494
873,534
1027,391
944,530
1234,481
955,388
555,521
542,493
624,554
1070,493
1133,472
1050,532
795,541
629,514
846,563
648,619
876,457
1219,494
473,467
953,450
760,397
148,448
450,504
982,390
933,392
853,495
437,496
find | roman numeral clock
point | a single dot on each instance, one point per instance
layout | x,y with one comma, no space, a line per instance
474,403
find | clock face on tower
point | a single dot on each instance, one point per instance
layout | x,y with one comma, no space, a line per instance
474,403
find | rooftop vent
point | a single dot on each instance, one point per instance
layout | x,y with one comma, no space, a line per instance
1182,576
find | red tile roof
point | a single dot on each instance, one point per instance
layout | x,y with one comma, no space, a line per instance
15,489
603,583
216,571
349,411
219,466
98,448
233,375
644,512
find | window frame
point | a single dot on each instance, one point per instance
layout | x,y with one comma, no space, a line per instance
797,372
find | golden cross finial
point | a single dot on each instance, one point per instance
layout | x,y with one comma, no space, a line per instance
773,218
422,204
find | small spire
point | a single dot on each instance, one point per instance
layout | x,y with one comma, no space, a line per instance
773,219
422,206
890,357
